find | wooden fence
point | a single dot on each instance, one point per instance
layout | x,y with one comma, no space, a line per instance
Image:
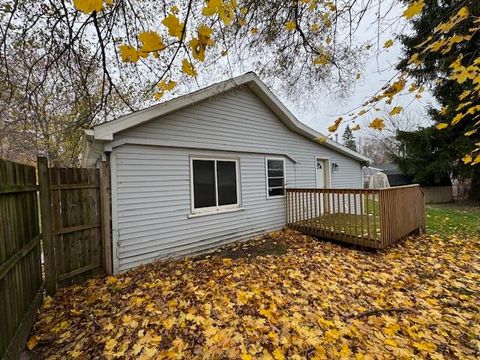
75,221
373,218
20,256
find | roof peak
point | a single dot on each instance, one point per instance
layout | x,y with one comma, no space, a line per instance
106,131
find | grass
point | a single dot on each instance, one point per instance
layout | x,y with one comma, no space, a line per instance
442,219
453,219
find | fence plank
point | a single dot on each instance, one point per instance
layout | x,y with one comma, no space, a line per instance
20,263
106,217
47,225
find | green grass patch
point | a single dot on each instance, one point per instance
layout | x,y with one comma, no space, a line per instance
453,219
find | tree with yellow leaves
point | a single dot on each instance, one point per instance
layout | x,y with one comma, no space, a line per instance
149,47
447,53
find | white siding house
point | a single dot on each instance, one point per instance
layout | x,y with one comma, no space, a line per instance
210,168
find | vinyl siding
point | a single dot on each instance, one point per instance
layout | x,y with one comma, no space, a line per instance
151,195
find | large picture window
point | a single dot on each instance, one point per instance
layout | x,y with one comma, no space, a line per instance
275,177
214,184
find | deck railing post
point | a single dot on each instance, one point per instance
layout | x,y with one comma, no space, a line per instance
383,218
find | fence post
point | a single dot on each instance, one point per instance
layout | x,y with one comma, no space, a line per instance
47,224
105,213
384,219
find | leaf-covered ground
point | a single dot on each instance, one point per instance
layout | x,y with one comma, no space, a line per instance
286,296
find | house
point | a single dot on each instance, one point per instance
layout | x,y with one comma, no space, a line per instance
210,168
394,174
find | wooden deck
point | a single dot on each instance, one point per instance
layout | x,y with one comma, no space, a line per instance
374,218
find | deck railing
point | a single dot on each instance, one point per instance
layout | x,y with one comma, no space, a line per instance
372,218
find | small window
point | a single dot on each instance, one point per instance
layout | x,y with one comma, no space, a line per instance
275,177
214,184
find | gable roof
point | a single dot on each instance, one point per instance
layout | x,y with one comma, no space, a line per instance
106,131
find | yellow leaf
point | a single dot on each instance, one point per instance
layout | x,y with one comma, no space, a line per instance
88,6
246,357
76,312
463,12
188,68
137,348
391,342
168,323
345,353
212,7
167,85
441,126
110,344
425,346
290,25
413,9
322,139
471,132
111,280
335,125
204,31
388,43
321,60
464,94
75,354
32,342
467,159
224,9
392,330
457,118
151,41
278,354
414,59
174,26
128,320
377,124
356,127
128,53
149,353
395,111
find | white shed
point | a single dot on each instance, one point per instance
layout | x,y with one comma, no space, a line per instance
210,168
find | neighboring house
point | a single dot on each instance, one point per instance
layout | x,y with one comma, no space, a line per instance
209,168
394,174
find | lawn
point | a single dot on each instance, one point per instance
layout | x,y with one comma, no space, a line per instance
455,218
285,296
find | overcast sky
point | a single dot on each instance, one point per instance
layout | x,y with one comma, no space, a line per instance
379,69
323,108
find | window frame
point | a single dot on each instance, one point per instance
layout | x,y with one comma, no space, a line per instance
284,177
218,208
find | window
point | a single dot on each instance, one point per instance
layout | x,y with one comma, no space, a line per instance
275,177
214,184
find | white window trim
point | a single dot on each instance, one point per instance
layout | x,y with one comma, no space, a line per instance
284,176
194,212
